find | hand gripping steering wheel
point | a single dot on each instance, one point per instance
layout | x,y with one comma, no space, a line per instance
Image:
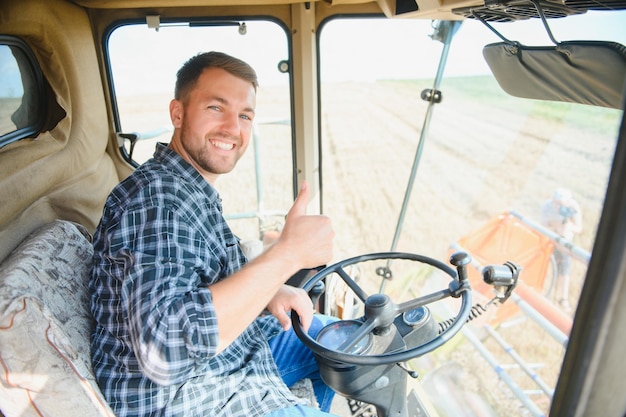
380,312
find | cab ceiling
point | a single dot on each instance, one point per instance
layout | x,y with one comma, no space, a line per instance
428,9
488,10
131,4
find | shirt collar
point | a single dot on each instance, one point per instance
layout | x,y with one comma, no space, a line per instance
170,159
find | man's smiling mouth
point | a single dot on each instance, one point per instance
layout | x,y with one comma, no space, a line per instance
222,145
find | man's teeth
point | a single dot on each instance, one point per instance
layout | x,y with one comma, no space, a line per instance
222,145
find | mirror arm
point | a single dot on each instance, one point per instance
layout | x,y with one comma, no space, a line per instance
484,22
542,15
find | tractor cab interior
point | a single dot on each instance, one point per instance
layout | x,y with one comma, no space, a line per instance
433,133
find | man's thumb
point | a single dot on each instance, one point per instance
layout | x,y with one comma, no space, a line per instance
299,206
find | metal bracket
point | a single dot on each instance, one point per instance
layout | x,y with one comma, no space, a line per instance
154,22
431,95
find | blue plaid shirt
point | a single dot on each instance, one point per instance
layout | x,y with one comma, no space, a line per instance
161,242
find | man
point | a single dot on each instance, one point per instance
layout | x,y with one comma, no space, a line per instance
179,330
563,216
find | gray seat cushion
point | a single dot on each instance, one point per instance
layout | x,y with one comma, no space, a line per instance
45,326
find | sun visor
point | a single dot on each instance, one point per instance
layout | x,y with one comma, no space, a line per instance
588,72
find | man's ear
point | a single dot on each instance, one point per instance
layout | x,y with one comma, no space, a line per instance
176,113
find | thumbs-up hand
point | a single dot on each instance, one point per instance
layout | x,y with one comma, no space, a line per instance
308,239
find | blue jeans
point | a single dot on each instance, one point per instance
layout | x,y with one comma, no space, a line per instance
295,361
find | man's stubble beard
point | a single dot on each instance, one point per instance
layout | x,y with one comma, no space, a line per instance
202,156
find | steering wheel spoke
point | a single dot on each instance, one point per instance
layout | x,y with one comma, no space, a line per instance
423,300
365,329
358,291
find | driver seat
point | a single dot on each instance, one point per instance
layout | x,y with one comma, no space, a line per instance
46,325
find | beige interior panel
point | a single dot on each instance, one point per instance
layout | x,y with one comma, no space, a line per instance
54,175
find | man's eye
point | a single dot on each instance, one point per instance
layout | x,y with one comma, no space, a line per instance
246,117
216,108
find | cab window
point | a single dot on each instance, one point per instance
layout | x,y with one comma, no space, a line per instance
144,59
21,92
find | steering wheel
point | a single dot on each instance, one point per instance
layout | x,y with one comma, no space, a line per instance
380,312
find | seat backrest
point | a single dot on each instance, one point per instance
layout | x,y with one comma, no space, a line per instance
45,326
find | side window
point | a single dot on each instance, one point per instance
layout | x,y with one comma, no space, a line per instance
22,92
143,64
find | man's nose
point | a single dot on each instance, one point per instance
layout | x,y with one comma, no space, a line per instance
231,123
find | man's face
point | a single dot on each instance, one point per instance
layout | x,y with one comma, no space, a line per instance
214,125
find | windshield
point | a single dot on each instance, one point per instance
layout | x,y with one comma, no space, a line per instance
503,178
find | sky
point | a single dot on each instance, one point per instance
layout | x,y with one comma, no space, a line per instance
10,81
465,57
146,60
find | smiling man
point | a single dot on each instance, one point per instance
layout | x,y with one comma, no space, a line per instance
179,330
213,121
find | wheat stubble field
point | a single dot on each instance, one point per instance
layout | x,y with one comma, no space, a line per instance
485,154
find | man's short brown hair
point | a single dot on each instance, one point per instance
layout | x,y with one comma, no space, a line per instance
188,74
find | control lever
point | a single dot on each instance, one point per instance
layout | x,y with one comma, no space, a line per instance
460,260
413,374
503,278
